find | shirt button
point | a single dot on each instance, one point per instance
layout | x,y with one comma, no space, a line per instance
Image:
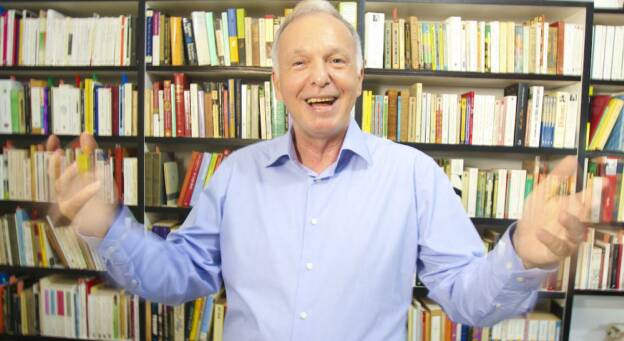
303,315
508,266
134,283
498,305
309,266
313,221
520,279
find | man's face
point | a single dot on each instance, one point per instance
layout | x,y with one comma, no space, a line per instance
318,79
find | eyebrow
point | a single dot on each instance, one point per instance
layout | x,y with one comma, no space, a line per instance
333,50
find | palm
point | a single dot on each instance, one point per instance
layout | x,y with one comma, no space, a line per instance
80,196
550,228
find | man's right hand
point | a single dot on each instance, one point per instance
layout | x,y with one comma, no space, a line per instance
80,199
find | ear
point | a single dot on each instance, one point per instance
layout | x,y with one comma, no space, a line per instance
276,86
360,80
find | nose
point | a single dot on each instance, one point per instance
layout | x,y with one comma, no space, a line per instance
320,74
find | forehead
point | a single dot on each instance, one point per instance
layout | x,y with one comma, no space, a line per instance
315,30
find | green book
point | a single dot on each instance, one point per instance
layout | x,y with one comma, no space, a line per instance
212,44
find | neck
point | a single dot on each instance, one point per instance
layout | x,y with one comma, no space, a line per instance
318,154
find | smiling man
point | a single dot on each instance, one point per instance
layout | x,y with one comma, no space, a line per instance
316,235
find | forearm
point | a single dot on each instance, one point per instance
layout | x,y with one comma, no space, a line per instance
487,289
171,271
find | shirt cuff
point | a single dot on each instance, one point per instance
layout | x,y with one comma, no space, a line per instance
120,240
510,267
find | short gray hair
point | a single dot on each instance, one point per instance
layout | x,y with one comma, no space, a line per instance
306,7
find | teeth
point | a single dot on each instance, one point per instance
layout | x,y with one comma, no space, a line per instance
319,100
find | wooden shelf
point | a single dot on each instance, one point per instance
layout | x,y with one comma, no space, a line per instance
168,210
597,153
463,79
608,10
607,82
212,71
202,142
492,222
29,270
607,226
105,140
68,70
591,292
433,147
35,337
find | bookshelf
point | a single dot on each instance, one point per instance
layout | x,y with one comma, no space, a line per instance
144,74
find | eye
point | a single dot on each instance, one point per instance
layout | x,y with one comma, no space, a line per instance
338,60
297,63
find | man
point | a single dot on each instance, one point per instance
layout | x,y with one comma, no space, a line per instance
316,235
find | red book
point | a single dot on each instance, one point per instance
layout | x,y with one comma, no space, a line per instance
115,109
560,26
167,107
187,178
179,81
193,179
118,172
155,105
597,107
608,190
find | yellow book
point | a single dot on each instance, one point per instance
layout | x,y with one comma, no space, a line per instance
198,309
20,52
177,41
462,132
88,105
83,161
233,49
433,46
366,108
605,126
33,172
42,244
219,318
441,44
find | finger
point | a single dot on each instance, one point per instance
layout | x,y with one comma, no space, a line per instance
566,167
53,143
555,244
71,206
87,143
575,229
64,180
54,164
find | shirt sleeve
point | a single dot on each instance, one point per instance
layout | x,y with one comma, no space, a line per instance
473,287
184,266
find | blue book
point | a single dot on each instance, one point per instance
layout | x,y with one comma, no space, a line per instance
231,21
206,318
20,217
614,142
148,36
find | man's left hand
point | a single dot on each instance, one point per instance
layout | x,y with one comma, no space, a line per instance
551,227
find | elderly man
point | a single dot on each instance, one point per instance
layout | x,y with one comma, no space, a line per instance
317,234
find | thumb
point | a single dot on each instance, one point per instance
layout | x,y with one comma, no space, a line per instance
87,142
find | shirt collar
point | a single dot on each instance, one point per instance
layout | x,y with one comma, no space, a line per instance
283,147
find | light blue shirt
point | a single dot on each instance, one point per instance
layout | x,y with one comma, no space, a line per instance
331,256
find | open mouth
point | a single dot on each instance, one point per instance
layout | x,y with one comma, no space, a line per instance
321,102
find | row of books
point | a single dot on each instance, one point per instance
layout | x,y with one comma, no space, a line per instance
599,263
162,183
201,319
228,109
217,38
611,4
51,38
84,308
24,173
497,193
39,107
427,321
33,242
535,46
607,52
604,190
525,116
606,123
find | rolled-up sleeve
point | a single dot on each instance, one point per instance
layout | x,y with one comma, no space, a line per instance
184,266
473,287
